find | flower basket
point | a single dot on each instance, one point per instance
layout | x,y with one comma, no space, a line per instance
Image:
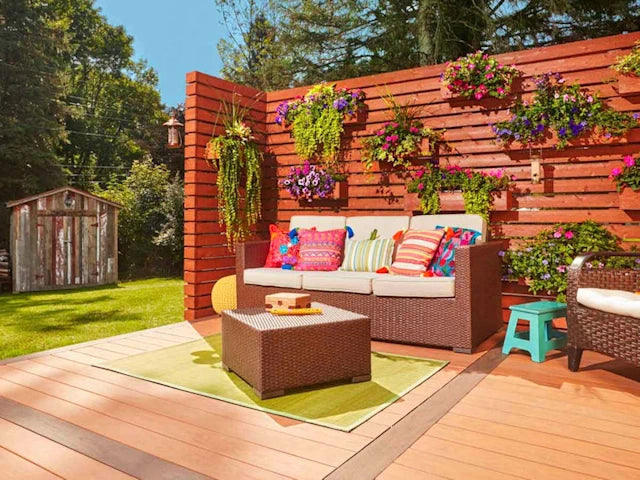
454,202
628,85
629,200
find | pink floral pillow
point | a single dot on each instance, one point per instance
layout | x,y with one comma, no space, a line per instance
444,264
320,250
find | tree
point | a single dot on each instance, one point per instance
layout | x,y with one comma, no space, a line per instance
32,41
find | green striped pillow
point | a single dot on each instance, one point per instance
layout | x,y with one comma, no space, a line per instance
368,255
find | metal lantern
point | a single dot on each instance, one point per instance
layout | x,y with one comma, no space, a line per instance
174,139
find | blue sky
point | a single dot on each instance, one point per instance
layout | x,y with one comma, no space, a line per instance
174,36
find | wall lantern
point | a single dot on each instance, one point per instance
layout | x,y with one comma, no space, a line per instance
69,201
174,139
536,166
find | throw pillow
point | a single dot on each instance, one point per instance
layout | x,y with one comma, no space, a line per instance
444,264
368,255
283,249
320,250
416,252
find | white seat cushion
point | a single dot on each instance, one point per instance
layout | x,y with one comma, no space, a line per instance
460,220
321,222
387,226
401,286
618,302
273,277
338,281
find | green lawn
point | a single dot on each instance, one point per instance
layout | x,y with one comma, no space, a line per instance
30,322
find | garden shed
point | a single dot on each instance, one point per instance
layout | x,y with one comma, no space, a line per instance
63,238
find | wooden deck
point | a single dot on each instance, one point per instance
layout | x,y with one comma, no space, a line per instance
480,417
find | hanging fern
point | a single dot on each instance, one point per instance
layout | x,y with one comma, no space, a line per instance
235,156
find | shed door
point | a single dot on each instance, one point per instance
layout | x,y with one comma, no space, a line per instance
67,247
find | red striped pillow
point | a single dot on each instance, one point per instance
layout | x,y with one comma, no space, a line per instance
416,252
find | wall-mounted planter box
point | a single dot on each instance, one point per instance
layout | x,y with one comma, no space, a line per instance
341,190
457,100
453,201
340,193
628,85
629,200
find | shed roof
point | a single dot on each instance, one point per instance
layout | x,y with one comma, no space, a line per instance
59,190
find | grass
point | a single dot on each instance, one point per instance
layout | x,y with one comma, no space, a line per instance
31,322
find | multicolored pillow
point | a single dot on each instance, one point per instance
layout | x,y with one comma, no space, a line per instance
444,264
283,250
368,255
416,252
320,250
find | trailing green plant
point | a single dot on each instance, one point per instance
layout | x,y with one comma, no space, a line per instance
477,75
400,139
477,188
628,175
236,156
543,261
317,120
567,110
630,63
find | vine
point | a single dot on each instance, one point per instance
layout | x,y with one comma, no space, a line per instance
235,155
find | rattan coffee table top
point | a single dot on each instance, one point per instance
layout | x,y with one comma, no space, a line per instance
260,319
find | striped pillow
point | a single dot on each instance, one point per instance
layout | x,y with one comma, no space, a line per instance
416,252
368,255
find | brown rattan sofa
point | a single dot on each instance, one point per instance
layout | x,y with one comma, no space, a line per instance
457,312
590,293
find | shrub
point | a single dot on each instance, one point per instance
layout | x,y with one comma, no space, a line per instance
543,261
630,63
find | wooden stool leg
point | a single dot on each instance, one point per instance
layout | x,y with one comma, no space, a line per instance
537,334
511,333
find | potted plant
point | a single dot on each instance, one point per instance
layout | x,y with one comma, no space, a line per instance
401,139
310,182
317,120
477,76
238,162
567,111
627,180
433,189
543,261
628,67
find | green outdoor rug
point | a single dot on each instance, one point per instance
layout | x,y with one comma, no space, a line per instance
196,367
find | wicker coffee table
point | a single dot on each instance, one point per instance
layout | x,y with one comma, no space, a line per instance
275,353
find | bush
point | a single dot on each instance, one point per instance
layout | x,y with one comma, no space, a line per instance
150,221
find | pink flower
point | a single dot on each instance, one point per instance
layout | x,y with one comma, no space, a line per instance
557,235
590,99
420,173
565,97
615,172
562,268
568,235
380,133
488,67
472,66
478,95
386,146
420,186
500,90
629,161
489,76
414,130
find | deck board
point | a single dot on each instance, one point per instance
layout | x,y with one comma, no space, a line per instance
14,467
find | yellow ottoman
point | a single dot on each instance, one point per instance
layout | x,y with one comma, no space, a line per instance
223,294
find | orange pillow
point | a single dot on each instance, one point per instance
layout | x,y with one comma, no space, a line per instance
416,252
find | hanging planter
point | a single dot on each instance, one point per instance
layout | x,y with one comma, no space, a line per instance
627,180
454,201
310,183
629,199
477,76
628,67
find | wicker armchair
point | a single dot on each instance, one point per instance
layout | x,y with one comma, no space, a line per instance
589,329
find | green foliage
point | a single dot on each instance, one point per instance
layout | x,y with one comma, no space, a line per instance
400,140
235,155
317,120
150,204
543,261
477,187
477,75
32,322
568,110
628,175
630,63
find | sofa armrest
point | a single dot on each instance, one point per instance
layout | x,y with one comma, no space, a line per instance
478,267
251,255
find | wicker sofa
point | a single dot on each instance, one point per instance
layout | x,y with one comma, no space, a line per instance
456,312
603,314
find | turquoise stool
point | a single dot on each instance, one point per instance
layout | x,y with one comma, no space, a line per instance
541,336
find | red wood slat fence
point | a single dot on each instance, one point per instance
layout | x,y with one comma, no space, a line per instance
575,186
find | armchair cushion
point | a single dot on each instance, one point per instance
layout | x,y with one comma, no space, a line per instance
424,287
618,302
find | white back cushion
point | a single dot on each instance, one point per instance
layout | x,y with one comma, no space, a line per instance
461,220
321,222
387,226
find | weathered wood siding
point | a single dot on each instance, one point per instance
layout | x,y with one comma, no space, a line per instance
576,186
55,247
